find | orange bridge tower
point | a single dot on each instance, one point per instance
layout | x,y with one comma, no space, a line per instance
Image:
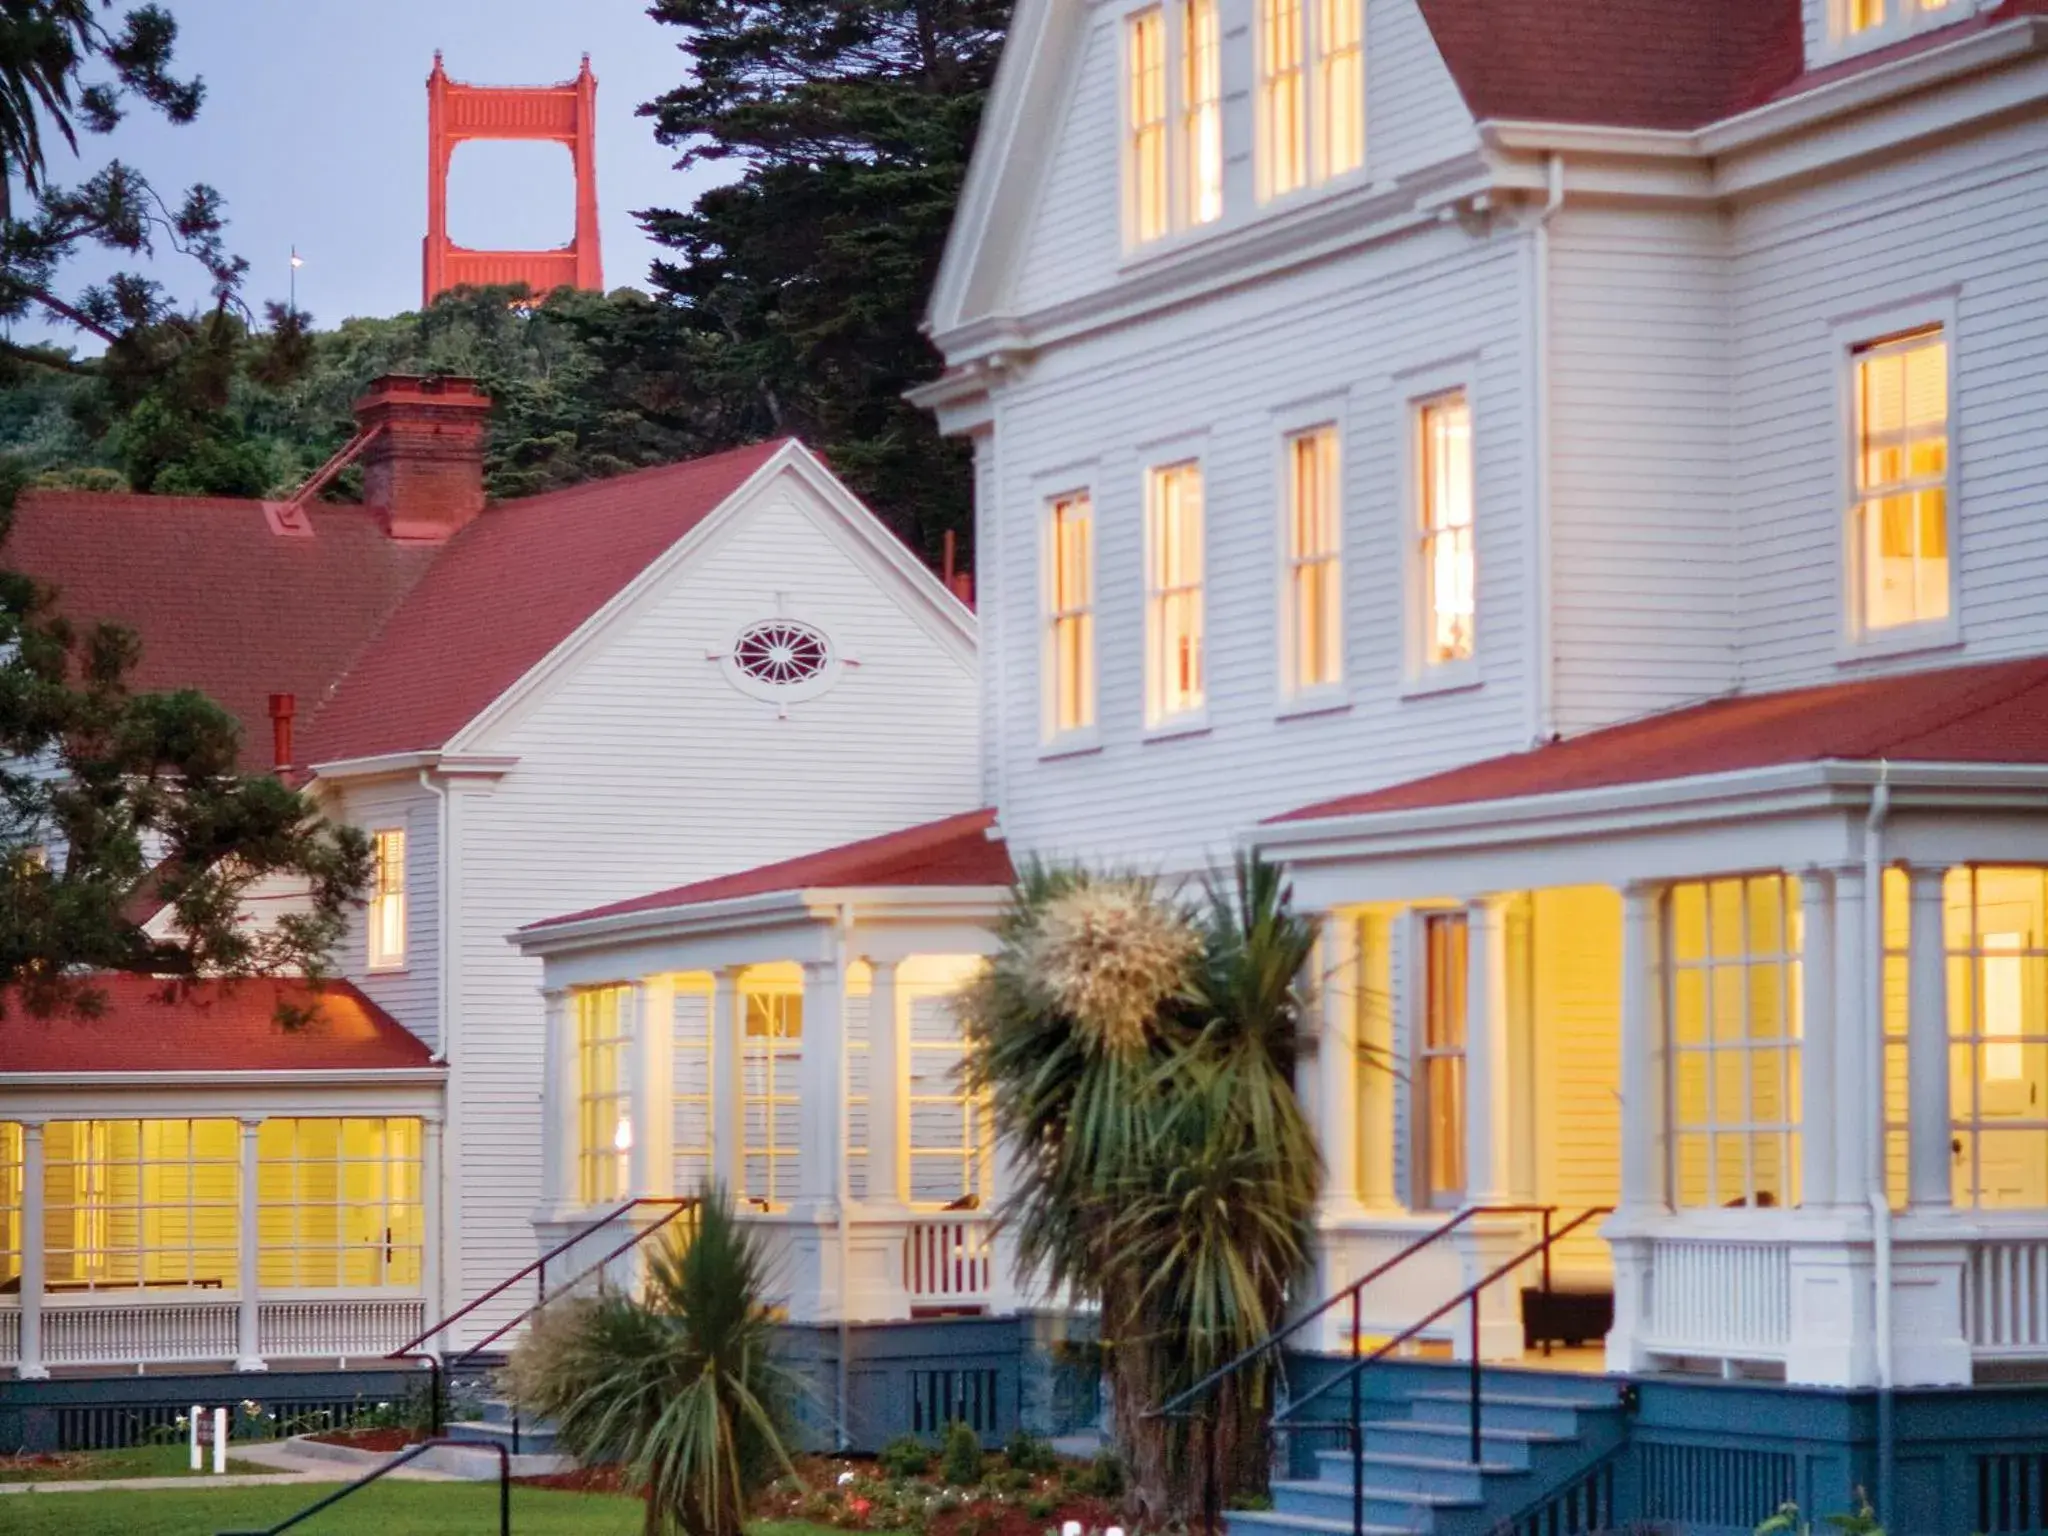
559,114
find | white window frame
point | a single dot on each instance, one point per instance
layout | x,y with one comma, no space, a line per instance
1422,1189
944,1089
1182,120
773,1063
1902,19
1416,389
1085,734
1850,335
295,1184
387,933
1328,414
97,1217
604,1159
1316,120
1159,721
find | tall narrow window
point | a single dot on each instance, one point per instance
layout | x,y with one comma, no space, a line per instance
1902,464
1444,484
693,1097
1173,597
387,900
1442,1053
948,1119
771,1058
1201,50
1145,89
10,1205
1860,16
603,1094
1282,99
1340,87
1735,1041
1314,595
1070,616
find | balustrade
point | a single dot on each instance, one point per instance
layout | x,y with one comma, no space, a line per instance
1714,1297
948,1263
2005,1298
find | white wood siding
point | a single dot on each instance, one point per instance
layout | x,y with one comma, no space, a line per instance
1346,333
410,993
1415,115
1965,218
1076,233
1577,1040
640,767
1643,554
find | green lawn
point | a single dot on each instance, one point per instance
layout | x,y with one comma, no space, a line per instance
142,1461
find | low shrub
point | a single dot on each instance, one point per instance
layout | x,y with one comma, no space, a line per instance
905,1456
960,1461
1028,1453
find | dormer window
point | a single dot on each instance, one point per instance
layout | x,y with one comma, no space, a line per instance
1311,93
1173,93
1856,25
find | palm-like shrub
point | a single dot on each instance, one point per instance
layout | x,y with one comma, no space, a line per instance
679,1388
1139,1055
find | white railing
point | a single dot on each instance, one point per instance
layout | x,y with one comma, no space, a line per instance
139,1333
10,1335
948,1263
337,1328
2005,1297
1712,1297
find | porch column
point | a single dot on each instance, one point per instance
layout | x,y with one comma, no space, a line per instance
728,1116
1819,1076
435,1305
1337,1061
887,1061
654,1061
821,1140
561,1185
1487,1099
1929,1181
249,1308
1376,1068
1856,1069
29,1366
1642,1053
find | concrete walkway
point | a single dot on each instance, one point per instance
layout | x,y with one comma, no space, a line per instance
145,1484
293,1461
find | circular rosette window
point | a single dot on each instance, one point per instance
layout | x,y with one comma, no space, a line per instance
782,660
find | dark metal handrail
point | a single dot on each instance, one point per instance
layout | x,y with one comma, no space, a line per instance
334,1498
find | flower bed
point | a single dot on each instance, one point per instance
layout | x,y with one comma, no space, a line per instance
912,1488
379,1439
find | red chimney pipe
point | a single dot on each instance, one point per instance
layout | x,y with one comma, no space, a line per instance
282,707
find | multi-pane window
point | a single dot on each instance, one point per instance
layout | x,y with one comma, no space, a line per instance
1443,428
1070,616
948,1122
141,1203
771,1057
1996,936
1173,90
1876,19
10,1204
1149,177
1734,949
339,1203
387,899
1314,618
1173,593
1311,92
1440,1052
691,1108
1900,516
604,1108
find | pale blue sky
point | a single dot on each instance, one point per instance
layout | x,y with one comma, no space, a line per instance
314,130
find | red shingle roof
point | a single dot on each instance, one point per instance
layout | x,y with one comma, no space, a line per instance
221,603
214,1027
1665,64
954,852
1992,713
507,590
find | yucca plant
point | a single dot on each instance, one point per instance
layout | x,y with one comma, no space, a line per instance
677,1387
1139,1055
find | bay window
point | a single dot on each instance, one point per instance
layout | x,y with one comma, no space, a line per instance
1310,92
1444,522
1174,687
1900,516
1734,1008
1312,596
339,1203
141,1204
603,1021
1070,616
387,900
1173,105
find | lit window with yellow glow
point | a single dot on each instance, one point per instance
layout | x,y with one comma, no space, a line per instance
1443,428
1868,23
1736,1029
1201,52
1901,527
339,1203
1174,688
604,1109
1070,616
141,1204
949,1121
1996,936
387,900
1441,1063
1310,92
771,1060
1149,178
1313,597
10,1205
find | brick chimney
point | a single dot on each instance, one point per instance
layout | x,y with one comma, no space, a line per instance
425,469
